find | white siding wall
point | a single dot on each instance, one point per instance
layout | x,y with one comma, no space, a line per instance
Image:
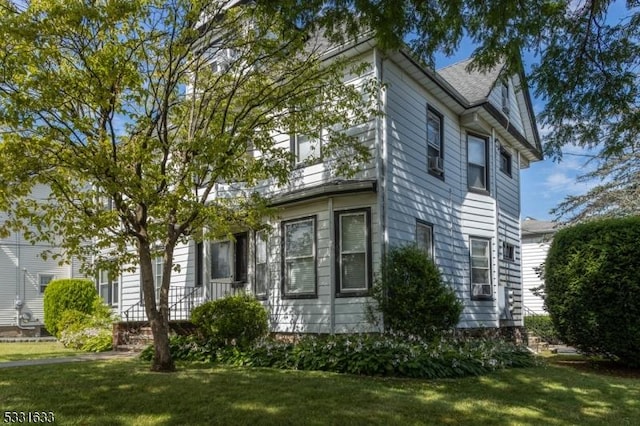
534,253
456,213
20,267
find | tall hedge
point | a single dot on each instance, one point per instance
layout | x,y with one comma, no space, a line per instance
592,287
64,295
412,296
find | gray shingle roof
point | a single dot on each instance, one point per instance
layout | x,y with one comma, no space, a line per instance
475,86
533,227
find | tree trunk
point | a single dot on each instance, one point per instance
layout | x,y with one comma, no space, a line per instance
158,318
162,360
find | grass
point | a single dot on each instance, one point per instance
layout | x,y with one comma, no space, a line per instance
124,392
10,351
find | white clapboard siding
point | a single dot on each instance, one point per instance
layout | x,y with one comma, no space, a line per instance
534,253
21,265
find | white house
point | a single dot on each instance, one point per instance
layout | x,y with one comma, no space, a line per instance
445,174
24,275
536,240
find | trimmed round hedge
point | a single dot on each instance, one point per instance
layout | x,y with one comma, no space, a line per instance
66,295
592,287
239,319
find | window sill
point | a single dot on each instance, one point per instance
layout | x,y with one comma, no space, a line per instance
299,296
356,293
479,191
238,284
482,298
439,176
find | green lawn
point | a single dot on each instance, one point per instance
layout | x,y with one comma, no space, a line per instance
124,392
10,351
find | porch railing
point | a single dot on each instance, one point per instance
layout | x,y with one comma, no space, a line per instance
182,300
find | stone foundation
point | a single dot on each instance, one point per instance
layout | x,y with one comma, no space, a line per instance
13,331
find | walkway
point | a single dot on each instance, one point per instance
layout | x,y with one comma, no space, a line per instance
99,356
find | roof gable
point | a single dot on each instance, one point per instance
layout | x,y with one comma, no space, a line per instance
475,86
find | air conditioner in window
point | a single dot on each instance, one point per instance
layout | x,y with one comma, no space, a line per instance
436,164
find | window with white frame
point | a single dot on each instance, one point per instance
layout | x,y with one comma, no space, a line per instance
221,259
44,280
261,282
480,249
477,170
307,149
299,257
435,148
229,259
108,287
424,237
353,252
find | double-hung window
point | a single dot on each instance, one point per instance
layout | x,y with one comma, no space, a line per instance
306,149
261,282
108,287
353,252
480,249
478,169
435,148
229,259
299,257
424,238
44,280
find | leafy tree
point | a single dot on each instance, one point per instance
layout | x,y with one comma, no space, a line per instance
616,195
586,57
131,112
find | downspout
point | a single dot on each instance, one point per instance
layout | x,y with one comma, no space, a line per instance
496,279
382,154
332,269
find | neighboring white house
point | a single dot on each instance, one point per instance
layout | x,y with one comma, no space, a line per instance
536,240
445,174
24,275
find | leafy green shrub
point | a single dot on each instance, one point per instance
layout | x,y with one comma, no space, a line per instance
64,295
385,354
185,348
592,287
412,297
238,320
87,332
542,326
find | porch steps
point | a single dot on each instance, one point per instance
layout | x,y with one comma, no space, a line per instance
536,344
134,340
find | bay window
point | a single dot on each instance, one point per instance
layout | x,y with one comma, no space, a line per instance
299,258
353,252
